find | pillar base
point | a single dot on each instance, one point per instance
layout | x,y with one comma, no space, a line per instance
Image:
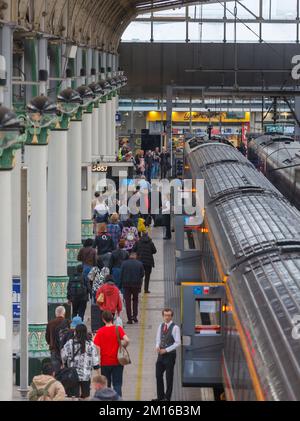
87,229
34,368
73,250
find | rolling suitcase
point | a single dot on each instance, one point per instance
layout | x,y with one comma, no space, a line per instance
96,319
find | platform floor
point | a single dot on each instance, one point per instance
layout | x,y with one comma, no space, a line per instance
139,378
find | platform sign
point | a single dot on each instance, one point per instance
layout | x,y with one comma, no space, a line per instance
118,119
16,299
198,290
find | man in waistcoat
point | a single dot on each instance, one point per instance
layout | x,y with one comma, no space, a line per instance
167,341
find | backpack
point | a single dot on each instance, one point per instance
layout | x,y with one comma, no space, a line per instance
68,376
41,394
61,334
130,236
78,290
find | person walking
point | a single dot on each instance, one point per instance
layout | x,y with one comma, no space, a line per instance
132,274
104,244
145,250
102,391
106,340
114,229
88,256
167,341
45,387
52,335
81,353
117,258
108,297
130,235
101,211
78,292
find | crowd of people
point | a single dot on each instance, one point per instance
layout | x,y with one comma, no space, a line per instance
112,269
152,163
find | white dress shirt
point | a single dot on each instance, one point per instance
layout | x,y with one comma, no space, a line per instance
175,334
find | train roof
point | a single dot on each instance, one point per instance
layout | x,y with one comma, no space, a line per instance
257,234
267,299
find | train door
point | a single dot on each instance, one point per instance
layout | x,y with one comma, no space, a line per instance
203,334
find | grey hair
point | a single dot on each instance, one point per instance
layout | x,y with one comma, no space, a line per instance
60,311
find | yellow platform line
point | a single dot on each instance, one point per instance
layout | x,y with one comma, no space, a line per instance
138,391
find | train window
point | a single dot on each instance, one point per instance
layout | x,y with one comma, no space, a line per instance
208,317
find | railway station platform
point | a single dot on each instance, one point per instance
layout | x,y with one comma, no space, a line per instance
139,382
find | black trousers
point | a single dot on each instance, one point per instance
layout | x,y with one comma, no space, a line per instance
131,295
167,221
78,308
148,270
165,363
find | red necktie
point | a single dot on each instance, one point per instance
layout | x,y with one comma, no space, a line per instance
165,328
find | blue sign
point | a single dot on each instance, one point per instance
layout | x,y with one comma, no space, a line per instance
16,299
198,291
118,118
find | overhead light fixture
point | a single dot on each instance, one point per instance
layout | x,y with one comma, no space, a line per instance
41,112
68,101
86,95
97,89
10,128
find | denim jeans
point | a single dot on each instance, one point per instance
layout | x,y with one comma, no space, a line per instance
114,375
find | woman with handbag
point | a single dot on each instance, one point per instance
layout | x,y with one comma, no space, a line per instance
112,342
80,353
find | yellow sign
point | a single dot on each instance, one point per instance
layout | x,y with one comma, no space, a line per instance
201,117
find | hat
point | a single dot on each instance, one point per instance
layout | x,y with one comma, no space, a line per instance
76,321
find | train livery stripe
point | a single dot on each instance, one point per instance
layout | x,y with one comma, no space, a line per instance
252,370
215,251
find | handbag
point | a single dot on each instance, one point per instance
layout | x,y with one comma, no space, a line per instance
123,354
101,298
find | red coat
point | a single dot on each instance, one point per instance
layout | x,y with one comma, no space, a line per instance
112,298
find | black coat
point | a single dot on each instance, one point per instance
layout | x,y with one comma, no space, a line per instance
104,244
132,274
145,250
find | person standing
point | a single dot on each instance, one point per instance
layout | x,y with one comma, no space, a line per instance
149,165
166,211
81,353
132,274
156,162
164,163
167,341
145,250
106,341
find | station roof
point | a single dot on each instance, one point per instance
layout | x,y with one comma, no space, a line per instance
98,23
